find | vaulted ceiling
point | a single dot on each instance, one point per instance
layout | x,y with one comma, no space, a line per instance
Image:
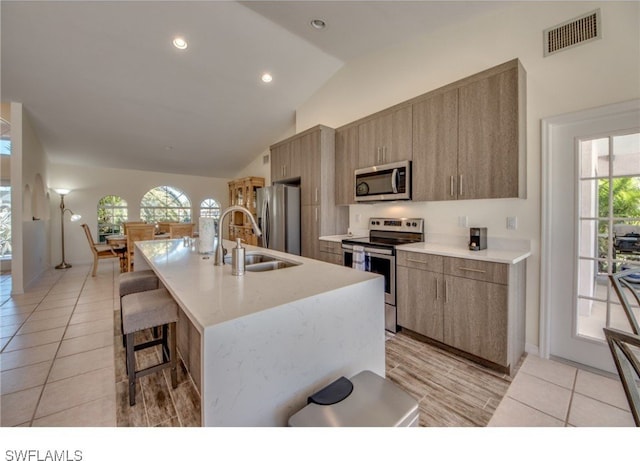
104,85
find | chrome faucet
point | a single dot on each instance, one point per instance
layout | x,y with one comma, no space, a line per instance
219,259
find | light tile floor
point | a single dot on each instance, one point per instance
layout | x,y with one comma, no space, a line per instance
57,364
547,393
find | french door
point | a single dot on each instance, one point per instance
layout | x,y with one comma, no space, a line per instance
591,168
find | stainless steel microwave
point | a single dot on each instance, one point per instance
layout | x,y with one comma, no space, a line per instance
383,182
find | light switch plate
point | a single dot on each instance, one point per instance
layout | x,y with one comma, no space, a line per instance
463,221
512,222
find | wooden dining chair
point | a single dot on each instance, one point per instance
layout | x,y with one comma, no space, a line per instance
101,251
163,226
137,233
178,230
131,223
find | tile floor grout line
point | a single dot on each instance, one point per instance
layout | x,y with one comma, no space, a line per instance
35,411
573,389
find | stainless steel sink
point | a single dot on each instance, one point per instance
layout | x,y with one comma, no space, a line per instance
260,262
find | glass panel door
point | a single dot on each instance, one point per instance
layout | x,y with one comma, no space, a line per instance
608,228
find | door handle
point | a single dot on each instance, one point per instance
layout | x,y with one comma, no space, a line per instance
394,180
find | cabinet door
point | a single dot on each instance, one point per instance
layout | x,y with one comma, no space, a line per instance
310,169
293,166
435,147
279,158
368,149
309,231
400,147
346,163
476,318
385,138
420,301
488,153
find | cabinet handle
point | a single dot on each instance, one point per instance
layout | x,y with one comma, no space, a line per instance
472,270
316,195
452,193
461,194
446,291
437,293
316,215
416,261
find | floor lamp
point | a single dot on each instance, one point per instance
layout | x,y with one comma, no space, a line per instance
74,217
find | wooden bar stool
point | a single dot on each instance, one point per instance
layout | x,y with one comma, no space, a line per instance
149,309
136,282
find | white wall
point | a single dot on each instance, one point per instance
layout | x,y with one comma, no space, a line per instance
89,185
29,202
601,72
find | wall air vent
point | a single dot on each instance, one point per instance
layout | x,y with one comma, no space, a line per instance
571,33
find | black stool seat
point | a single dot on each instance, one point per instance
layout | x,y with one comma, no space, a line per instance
150,309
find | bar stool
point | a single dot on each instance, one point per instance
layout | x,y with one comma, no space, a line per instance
150,309
136,282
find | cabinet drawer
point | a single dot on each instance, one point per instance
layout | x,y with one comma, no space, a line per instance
477,270
427,262
331,247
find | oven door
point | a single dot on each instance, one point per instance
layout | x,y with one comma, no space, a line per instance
379,261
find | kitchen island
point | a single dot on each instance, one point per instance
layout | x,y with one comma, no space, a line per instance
258,345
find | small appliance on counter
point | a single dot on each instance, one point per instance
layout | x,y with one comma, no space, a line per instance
477,238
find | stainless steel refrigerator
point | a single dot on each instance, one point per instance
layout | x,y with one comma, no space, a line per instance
278,210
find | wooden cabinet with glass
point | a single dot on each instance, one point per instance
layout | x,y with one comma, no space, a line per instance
243,192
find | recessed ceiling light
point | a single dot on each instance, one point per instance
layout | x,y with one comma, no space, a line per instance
318,24
180,43
266,77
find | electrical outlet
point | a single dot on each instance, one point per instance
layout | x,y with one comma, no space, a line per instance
463,221
512,222
357,217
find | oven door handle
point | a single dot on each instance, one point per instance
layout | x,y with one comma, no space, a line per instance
378,252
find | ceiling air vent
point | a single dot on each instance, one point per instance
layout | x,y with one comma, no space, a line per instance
574,32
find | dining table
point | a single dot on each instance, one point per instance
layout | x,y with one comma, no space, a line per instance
119,243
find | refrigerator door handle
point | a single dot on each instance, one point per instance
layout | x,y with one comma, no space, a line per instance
265,224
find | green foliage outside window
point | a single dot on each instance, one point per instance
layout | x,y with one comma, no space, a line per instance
112,212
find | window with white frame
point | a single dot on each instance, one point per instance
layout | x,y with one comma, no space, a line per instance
112,212
165,203
210,208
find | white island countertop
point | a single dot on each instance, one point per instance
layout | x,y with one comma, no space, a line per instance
211,294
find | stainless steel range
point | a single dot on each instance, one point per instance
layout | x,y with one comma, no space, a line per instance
377,253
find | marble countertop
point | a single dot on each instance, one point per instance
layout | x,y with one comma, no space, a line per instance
210,294
491,254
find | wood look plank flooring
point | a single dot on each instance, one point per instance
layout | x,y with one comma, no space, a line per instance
451,391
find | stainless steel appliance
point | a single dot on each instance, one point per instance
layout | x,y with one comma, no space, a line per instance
383,182
379,250
278,209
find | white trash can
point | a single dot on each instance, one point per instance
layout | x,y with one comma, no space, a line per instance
366,400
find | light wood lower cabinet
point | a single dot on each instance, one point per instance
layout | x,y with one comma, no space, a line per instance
473,306
420,304
331,252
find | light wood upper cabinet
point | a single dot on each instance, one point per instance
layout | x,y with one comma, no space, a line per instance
286,161
346,164
435,147
469,138
489,152
310,193
386,138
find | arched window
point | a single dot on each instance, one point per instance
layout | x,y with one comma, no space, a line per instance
209,208
112,212
165,203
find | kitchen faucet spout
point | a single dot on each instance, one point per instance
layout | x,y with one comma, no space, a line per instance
219,256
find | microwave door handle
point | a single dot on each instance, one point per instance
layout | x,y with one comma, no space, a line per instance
394,180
